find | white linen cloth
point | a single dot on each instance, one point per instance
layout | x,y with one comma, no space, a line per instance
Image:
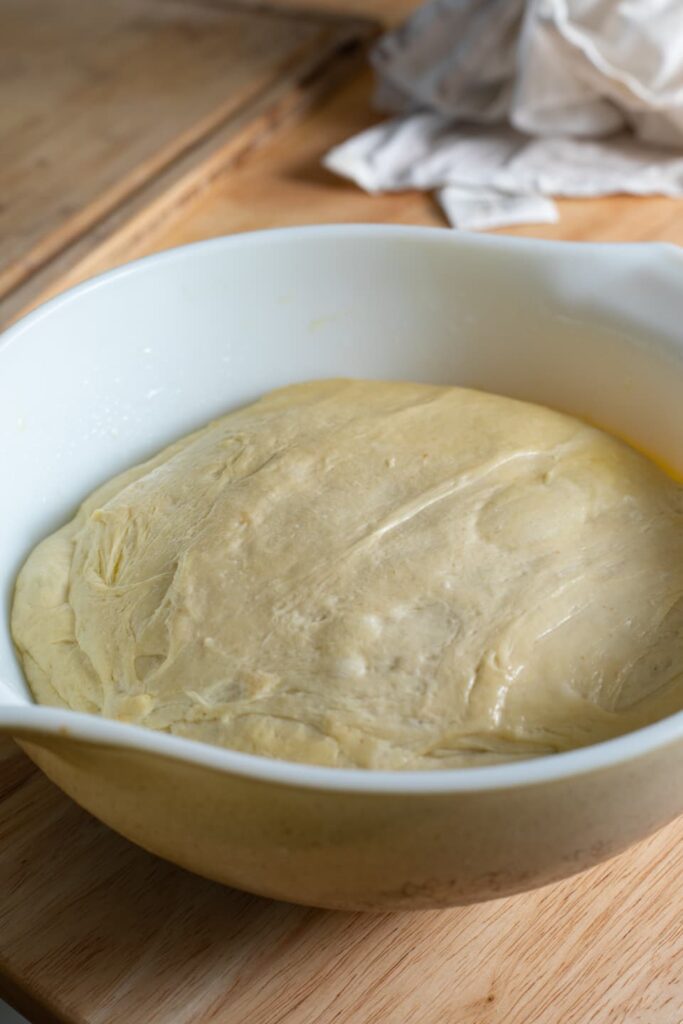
503,103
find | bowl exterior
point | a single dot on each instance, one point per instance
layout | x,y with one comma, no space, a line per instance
367,851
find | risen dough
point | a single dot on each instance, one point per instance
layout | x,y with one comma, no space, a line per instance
381,575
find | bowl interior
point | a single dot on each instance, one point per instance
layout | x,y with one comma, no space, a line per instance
107,374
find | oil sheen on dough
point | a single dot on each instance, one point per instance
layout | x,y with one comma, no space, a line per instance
372,575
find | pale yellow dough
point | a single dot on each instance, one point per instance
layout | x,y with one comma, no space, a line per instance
378,575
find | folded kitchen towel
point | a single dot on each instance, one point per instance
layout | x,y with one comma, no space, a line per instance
503,103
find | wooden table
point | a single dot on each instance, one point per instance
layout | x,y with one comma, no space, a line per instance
126,937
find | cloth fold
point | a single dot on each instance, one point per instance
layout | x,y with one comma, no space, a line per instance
503,103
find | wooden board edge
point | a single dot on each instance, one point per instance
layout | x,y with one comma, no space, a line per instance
29,1007
187,176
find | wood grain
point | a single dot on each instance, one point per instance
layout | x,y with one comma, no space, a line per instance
104,932
122,110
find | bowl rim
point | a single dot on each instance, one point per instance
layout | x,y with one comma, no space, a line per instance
268,236
30,722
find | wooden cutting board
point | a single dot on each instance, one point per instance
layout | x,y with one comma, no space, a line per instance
95,931
114,112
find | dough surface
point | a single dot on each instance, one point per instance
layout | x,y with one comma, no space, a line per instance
372,575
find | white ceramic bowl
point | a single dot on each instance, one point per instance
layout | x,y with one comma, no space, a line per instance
106,374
